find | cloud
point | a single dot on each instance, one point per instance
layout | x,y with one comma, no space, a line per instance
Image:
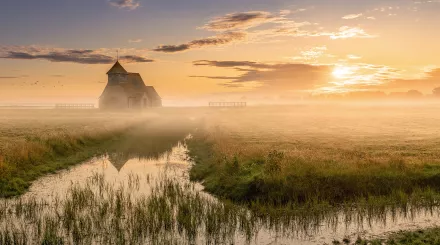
425,1
172,48
222,39
272,76
12,77
352,16
312,54
235,27
243,20
135,40
369,77
81,56
125,4
232,64
327,79
307,29
351,32
354,57
427,82
216,77
135,59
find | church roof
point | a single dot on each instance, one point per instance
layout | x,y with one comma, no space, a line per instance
152,93
117,68
136,80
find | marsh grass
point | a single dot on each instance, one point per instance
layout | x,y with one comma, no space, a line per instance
41,143
429,236
319,156
101,212
174,212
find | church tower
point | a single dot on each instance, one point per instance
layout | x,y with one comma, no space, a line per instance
117,74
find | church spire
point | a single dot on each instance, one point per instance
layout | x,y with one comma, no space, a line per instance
117,69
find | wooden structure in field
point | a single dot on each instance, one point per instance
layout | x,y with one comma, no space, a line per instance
74,106
227,104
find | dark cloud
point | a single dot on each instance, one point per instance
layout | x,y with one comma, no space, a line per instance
172,48
242,20
127,4
135,59
222,39
268,76
216,77
234,64
19,55
74,56
11,77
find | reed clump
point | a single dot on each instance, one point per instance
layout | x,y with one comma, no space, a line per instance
174,212
429,236
101,212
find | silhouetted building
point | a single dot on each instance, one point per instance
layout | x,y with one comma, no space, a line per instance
126,90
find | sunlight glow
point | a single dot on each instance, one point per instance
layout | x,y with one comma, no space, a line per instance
342,72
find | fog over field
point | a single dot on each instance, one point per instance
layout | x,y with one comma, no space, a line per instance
223,122
319,172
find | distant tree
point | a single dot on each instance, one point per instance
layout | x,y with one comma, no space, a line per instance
436,92
414,94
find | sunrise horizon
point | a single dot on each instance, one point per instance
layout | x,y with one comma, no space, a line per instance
198,52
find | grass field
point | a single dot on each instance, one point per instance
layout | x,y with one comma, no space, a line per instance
317,154
306,161
37,142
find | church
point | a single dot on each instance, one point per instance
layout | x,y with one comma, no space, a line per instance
126,90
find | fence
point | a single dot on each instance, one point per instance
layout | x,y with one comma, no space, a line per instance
74,106
227,104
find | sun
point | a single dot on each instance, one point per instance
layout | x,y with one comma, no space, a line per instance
341,72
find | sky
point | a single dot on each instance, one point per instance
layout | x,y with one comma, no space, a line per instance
201,50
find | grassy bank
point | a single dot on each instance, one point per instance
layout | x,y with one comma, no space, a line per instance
419,237
307,157
35,145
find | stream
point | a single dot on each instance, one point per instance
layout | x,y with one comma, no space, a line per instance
120,169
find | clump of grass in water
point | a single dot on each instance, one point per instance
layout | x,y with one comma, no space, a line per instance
427,236
99,212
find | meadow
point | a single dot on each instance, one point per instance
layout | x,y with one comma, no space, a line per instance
284,168
34,143
320,154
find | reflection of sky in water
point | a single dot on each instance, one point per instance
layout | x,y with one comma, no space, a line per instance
174,164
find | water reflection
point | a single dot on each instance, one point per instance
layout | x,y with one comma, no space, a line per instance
142,147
